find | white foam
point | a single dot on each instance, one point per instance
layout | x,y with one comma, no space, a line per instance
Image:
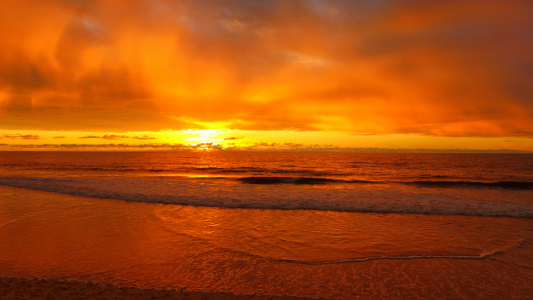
234,194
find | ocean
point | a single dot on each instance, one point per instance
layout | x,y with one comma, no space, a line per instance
332,225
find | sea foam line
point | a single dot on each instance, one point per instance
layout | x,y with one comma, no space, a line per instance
192,193
364,259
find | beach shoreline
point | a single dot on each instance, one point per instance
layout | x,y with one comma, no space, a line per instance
156,250
24,288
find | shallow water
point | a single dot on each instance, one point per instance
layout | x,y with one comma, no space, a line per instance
254,251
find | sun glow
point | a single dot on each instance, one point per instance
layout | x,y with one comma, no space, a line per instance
206,141
204,137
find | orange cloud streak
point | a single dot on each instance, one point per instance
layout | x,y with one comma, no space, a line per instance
22,136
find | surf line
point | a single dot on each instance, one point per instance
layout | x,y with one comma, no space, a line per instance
355,260
481,256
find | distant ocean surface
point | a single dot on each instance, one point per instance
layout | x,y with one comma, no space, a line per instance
333,225
452,184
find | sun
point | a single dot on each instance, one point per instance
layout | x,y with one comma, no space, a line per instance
207,139
206,136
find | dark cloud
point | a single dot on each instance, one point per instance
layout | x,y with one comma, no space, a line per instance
22,136
106,137
30,137
263,144
91,137
115,137
233,138
144,137
11,136
293,145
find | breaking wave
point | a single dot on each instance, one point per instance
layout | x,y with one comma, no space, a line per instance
518,185
299,180
291,194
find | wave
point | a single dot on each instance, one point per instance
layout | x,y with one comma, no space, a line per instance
514,185
183,169
232,194
434,176
517,185
299,180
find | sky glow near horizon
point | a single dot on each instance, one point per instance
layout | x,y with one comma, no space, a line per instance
266,75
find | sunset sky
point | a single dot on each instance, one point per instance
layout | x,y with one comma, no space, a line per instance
314,75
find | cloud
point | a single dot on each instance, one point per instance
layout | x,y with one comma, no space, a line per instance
144,137
91,137
22,136
106,137
293,145
59,137
233,138
261,146
11,136
115,137
30,137
111,146
379,67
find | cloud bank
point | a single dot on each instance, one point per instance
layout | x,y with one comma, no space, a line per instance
441,68
258,147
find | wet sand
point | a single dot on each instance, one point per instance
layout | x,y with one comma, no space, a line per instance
171,250
37,289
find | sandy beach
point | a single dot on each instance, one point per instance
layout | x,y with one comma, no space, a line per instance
36,289
162,249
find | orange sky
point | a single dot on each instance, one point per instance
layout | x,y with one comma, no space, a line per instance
285,74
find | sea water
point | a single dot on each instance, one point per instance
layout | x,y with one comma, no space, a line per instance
335,225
